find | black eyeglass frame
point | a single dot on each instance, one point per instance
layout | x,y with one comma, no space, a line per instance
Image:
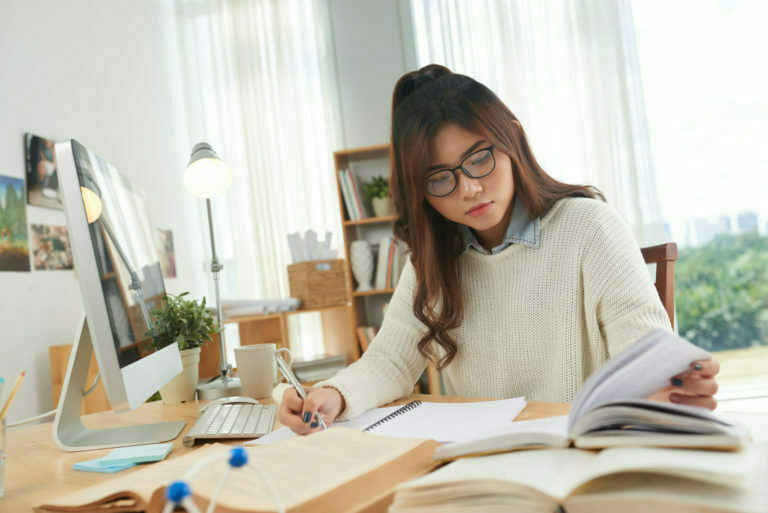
463,170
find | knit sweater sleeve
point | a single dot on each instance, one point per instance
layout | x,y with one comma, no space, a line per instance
618,288
392,363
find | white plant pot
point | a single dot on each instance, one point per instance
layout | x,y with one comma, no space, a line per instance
361,261
381,207
182,388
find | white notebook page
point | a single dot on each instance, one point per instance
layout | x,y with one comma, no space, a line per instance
450,422
444,422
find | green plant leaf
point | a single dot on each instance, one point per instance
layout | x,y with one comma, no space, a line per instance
182,321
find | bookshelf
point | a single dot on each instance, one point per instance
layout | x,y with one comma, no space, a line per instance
364,164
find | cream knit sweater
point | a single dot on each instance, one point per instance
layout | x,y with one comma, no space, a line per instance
537,321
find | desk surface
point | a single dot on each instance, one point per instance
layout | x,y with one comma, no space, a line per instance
37,471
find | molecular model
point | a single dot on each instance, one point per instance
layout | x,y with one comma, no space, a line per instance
179,493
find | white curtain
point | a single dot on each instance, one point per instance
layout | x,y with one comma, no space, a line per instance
259,86
569,70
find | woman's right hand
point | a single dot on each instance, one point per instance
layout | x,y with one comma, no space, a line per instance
300,414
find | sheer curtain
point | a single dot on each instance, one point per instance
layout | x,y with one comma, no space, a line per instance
259,86
569,70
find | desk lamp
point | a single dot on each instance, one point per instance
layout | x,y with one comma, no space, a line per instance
208,176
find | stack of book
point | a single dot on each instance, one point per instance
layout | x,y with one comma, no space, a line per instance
244,307
365,335
391,260
350,191
318,367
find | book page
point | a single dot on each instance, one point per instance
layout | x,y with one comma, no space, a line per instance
300,469
717,467
639,371
666,493
552,472
449,422
360,422
548,431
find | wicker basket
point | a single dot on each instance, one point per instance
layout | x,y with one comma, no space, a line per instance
318,283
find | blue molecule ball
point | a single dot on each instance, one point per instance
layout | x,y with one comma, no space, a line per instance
177,491
238,457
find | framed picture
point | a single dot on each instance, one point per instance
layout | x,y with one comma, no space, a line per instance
14,246
42,178
50,247
164,242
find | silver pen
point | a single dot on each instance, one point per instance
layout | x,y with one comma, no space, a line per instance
295,384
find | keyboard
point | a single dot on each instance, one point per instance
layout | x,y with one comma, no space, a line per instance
232,420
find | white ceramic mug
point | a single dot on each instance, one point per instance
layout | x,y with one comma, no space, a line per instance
257,368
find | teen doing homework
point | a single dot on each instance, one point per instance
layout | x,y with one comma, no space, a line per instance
517,284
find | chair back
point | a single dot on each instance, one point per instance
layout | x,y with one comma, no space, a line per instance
664,256
58,357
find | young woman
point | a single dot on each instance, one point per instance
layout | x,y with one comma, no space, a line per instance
517,284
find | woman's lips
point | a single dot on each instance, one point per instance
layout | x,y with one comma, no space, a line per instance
480,209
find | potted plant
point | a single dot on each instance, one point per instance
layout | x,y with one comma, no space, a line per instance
187,323
376,192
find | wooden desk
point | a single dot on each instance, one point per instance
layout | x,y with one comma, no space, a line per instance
37,471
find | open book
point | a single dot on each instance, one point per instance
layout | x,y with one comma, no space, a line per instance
318,473
609,409
626,479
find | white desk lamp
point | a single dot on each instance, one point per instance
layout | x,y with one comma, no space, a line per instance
208,176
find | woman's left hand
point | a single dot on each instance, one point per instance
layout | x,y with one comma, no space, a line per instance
696,387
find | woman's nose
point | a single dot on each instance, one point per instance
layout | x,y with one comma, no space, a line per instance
468,187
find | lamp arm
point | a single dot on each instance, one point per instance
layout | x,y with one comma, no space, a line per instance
224,367
135,282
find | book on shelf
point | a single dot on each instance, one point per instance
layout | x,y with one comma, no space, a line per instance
610,409
356,194
626,479
349,470
389,263
318,367
348,196
365,335
350,193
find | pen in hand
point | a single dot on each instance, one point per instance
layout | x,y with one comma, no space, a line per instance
296,385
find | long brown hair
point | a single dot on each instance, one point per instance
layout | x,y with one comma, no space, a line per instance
422,102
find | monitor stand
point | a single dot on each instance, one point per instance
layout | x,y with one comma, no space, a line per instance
70,434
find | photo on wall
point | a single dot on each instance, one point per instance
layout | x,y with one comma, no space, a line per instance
42,178
164,244
14,245
50,247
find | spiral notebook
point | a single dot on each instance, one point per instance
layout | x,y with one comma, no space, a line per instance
400,411
444,422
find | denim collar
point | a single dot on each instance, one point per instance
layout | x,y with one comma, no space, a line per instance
521,230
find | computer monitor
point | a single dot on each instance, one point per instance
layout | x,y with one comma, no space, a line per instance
120,280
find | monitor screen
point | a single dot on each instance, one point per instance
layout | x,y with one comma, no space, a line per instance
123,244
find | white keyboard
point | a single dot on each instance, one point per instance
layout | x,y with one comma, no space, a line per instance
232,420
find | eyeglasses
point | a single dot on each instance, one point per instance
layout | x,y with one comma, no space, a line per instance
477,165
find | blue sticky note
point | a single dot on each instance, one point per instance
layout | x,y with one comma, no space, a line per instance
136,454
95,466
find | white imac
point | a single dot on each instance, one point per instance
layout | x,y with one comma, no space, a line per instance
120,281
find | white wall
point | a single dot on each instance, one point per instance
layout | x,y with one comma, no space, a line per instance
374,46
104,73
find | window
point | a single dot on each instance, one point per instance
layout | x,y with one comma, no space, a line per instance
704,82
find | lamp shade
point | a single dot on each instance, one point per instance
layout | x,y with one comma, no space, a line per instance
91,195
206,175
92,204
